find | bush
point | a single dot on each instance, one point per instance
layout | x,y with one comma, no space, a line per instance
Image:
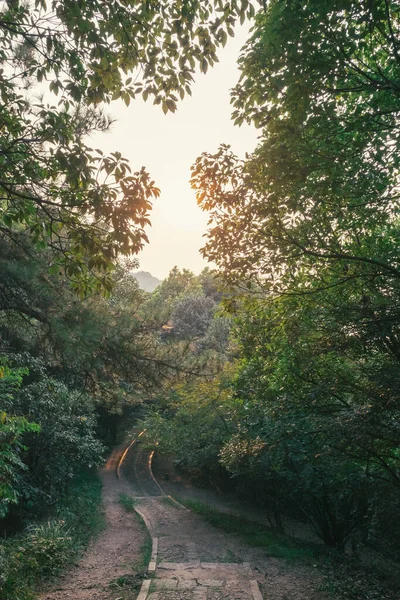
44,548
66,443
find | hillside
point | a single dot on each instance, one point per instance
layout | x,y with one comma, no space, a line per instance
146,281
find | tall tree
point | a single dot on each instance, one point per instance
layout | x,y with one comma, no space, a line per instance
320,80
308,228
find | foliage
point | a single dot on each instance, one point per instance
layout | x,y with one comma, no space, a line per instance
83,344
105,346
192,316
188,308
45,547
304,232
193,422
59,63
169,292
78,367
218,335
303,422
210,284
67,441
12,430
320,190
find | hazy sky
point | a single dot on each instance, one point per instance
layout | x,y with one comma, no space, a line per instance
167,145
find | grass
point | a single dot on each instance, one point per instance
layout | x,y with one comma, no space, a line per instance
127,502
145,549
168,501
257,535
44,548
125,584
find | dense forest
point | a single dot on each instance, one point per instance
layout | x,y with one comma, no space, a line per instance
275,372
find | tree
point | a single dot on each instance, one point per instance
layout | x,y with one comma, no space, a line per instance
192,316
171,290
87,206
305,230
66,443
76,368
218,334
320,190
211,284
193,422
314,212
12,430
320,421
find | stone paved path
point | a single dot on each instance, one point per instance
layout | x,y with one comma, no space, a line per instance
191,559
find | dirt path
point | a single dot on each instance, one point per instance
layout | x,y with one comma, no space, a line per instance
110,559
192,560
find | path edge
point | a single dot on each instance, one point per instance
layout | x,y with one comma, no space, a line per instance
151,567
160,486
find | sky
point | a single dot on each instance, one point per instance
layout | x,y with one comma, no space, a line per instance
167,145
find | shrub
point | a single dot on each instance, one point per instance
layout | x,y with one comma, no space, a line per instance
44,548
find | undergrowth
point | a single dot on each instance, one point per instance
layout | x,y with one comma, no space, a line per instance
43,549
145,550
256,534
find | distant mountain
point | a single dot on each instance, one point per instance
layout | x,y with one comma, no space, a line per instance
146,281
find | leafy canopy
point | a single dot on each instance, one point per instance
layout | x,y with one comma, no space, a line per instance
59,63
320,81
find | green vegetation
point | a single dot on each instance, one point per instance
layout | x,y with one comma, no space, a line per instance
304,233
46,547
128,502
64,401
127,583
255,534
145,550
280,372
85,206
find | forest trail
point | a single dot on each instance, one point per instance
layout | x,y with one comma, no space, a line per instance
191,559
